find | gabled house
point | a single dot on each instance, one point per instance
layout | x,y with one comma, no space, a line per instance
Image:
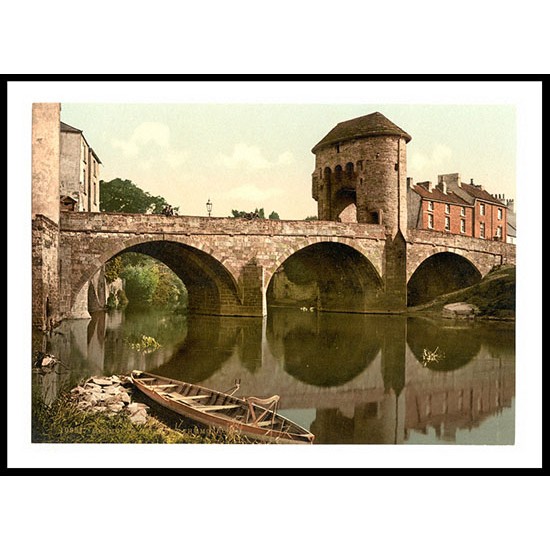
456,207
78,171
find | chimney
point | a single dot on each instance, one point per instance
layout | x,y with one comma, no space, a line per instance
430,186
410,182
443,187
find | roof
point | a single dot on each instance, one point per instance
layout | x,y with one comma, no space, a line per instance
375,124
438,195
67,128
480,194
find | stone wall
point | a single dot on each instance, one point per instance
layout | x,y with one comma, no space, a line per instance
45,160
45,289
483,254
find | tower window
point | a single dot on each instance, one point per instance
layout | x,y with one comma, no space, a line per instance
482,209
337,147
463,226
482,230
499,213
430,221
447,223
447,209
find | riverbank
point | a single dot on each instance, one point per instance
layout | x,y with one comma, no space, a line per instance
110,410
494,297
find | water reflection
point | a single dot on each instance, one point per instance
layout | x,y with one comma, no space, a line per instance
348,378
323,350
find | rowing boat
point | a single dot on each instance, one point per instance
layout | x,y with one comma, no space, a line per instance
253,417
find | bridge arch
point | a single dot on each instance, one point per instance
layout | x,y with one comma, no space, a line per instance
440,273
328,275
211,286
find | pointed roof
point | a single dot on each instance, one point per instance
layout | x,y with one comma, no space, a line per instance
64,127
67,128
375,124
477,192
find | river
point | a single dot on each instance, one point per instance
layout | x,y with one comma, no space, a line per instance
350,379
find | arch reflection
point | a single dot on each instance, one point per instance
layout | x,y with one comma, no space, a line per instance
317,349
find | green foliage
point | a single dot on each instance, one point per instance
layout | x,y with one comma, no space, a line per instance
274,216
147,282
122,300
113,268
63,422
112,302
125,196
146,344
311,218
140,283
494,295
258,213
170,290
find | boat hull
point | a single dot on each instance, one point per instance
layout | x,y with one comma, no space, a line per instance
278,429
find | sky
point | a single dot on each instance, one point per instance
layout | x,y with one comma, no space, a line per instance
258,155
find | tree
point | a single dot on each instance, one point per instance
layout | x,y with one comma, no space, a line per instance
311,218
140,283
125,196
257,213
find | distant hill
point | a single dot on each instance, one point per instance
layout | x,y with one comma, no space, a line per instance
494,295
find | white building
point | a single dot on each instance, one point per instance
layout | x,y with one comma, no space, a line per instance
78,172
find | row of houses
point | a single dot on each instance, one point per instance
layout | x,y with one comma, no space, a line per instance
459,208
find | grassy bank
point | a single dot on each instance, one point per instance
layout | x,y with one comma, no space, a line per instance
494,296
63,422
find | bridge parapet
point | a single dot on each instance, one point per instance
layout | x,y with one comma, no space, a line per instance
482,253
150,223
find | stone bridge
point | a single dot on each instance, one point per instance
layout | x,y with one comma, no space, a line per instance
238,267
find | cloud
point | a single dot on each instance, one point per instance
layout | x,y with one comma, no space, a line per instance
437,158
145,141
251,158
176,158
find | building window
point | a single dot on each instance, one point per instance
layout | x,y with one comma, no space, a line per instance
430,221
481,230
499,213
95,192
337,147
447,209
463,226
462,211
499,232
482,209
447,223
430,205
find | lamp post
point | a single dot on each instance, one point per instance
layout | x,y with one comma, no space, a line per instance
209,206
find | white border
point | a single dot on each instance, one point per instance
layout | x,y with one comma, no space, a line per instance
527,452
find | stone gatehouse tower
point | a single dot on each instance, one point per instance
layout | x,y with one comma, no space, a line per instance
361,164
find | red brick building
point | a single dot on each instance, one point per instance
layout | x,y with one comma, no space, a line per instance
455,207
